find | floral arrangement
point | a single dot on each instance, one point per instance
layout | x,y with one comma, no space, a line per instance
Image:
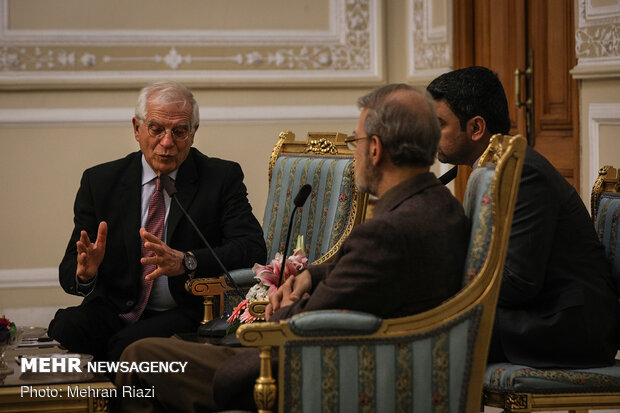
267,276
8,331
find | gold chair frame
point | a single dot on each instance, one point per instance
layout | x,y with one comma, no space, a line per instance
607,181
507,154
325,144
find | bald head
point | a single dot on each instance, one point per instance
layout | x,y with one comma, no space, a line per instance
404,119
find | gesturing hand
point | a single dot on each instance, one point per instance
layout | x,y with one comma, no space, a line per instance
90,255
292,290
168,261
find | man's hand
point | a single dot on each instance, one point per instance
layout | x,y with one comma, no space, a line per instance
168,261
292,290
90,255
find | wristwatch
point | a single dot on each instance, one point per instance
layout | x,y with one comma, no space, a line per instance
190,263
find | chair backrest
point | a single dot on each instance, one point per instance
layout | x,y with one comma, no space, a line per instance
605,207
334,205
432,361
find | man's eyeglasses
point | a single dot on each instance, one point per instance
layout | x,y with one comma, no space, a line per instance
179,133
351,141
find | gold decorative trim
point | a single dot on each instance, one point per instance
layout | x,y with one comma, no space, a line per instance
257,308
286,135
516,401
597,189
207,286
321,146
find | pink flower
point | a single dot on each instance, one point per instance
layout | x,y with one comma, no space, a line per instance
246,317
270,273
237,311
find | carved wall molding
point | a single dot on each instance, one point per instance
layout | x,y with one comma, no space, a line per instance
209,115
430,44
29,278
597,40
349,51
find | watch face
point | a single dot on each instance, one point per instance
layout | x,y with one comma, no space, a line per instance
190,263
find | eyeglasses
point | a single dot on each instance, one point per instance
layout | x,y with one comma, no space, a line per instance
351,141
179,133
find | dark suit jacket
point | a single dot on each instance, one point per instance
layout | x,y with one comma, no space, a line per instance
556,305
212,192
407,259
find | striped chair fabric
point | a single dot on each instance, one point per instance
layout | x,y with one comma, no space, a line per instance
426,372
323,218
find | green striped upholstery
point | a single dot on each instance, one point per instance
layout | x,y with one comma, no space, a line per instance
479,209
428,372
607,222
422,373
323,218
514,377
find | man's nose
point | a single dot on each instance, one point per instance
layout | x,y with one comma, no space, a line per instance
167,140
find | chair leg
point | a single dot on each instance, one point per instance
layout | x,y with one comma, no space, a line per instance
265,387
208,312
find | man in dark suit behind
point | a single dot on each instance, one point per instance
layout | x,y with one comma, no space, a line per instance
110,251
557,305
407,259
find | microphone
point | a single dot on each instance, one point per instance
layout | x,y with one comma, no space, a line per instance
449,176
299,200
172,191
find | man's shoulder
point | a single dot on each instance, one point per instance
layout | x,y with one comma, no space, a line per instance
538,169
205,164
117,164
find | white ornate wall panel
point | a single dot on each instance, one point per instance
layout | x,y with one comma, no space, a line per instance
430,39
597,39
601,115
65,43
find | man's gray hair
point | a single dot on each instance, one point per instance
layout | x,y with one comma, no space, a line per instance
408,130
166,91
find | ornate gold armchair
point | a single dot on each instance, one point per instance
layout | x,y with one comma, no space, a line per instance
328,216
517,388
434,361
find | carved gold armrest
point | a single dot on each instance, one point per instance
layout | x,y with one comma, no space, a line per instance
257,308
208,288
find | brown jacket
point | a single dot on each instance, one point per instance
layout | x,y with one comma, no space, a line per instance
407,259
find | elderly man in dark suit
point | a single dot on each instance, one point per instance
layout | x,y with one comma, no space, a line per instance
557,305
408,258
132,250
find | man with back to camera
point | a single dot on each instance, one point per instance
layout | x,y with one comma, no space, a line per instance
127,230
557,306
407,259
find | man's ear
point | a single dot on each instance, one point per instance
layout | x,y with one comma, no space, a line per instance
375,150
477,127
136,125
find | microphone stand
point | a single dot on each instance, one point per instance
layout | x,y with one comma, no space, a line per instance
299,200
216,327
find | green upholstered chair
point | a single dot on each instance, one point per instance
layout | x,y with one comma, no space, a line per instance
517,388
433,361
327,217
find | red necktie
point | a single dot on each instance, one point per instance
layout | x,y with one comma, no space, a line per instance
155,225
